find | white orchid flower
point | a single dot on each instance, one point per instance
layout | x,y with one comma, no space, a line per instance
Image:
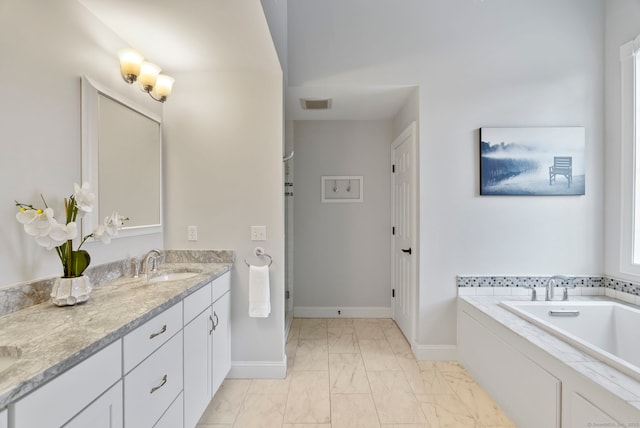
84,197
60,233
36,222
100,234
113,223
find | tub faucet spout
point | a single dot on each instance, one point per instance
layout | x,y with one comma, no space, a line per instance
551,283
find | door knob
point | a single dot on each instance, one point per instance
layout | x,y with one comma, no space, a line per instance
406,251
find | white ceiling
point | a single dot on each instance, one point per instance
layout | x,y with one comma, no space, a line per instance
193,35
229,35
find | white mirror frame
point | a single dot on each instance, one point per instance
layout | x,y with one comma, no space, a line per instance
91,92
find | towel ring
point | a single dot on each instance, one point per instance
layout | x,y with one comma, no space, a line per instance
259,252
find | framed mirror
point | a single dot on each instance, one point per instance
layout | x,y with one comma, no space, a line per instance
121,159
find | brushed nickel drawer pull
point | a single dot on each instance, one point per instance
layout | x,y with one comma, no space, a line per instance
155,388
213,325
164,329
217,321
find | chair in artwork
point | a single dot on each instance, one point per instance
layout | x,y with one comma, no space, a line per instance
562,165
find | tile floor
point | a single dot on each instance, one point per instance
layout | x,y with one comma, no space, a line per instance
354,373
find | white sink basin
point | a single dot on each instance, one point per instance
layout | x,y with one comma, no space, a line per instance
8,356
173,276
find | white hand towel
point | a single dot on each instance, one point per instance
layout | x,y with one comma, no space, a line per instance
259,296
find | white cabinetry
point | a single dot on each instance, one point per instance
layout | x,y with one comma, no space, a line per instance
197,355
152,386
105,412
221,335
172,417
58,401
4,423
207,350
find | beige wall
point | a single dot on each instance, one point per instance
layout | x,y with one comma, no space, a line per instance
223,169
46,47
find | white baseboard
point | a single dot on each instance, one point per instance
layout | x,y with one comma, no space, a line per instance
435,352
258,369
345,312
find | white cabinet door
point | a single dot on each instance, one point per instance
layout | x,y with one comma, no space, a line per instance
105,412
4,423
221,347
197,367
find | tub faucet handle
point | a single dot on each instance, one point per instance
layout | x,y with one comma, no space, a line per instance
533,292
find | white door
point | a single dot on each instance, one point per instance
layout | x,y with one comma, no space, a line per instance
403,247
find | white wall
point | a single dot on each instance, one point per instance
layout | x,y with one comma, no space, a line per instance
622,25
491,63
223,134
46,47
342,250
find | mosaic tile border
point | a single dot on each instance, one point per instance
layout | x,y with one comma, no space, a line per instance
608,283
527,281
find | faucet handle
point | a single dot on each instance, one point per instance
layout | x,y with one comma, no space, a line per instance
533,292
135,267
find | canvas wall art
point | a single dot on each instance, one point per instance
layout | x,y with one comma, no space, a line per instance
532,161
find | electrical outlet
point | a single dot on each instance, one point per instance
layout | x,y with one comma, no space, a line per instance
258,233
192,233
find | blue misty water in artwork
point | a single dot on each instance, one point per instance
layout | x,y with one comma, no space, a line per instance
515,169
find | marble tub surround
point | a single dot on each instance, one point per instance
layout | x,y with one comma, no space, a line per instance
612,380
51,339
25,294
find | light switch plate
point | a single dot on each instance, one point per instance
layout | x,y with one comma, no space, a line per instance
258,233
192,233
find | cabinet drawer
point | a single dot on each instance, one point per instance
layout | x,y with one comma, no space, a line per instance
66,395
221,285
196,303
150,388
145,339
173,417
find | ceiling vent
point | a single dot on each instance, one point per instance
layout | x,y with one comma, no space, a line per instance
316,104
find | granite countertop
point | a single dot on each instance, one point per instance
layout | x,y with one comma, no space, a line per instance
620,384
53,339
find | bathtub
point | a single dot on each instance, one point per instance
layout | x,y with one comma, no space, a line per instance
603,329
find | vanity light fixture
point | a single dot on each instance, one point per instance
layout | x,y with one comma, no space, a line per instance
133,68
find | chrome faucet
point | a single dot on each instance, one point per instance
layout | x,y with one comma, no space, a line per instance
152,256
551,283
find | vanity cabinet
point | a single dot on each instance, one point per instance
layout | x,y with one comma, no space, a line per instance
57,402
207,347
163,374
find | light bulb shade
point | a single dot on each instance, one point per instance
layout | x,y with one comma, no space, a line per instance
130,62
148,75
164,84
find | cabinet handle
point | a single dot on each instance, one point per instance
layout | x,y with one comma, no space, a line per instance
213,325
155,388
164,329
217,321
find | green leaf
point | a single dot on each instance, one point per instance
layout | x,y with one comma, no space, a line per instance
79,262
